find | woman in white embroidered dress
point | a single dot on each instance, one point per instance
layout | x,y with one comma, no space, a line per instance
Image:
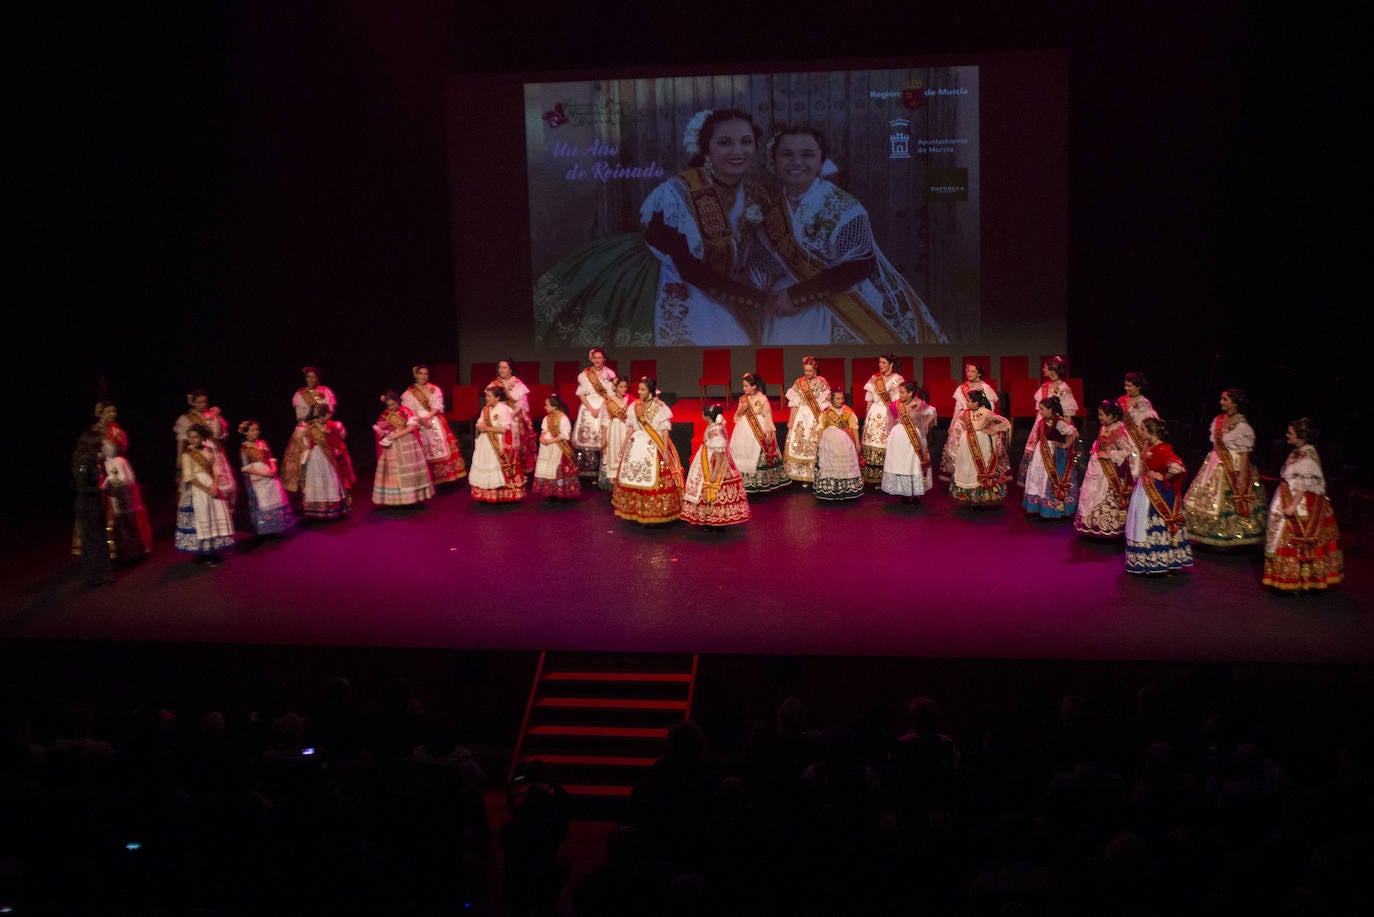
555,469
906,461
518,398
614,431
268,506
807,400
1111,474
1135,407
648,489
838,475
981,466
714,494
1225,503
1054,386
497,475
217,431
402,477
311,394
204,524
426,401
836,285
594,384
1302,550
754,442
973,381
882,390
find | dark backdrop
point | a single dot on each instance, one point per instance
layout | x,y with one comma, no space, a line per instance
216,194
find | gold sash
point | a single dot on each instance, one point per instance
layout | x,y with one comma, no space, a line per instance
803,386
666,450
1172,517
511,472
1059,484
594,378
556,428
718,239
768,451
912,434
987,471
1121,489
1240,492
421,395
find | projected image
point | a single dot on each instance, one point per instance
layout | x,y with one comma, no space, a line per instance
762,209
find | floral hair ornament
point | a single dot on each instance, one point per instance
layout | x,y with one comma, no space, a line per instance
691,137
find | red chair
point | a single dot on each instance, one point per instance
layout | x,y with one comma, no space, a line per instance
539,393
568,392
463,404
482,373
1022,399
565,371
769,364
933,368
443,375
941,394
715,370
528,371
1017,367
640,369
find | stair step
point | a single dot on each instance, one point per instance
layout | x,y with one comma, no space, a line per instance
613,732
598,789
593,760
682,677
616,703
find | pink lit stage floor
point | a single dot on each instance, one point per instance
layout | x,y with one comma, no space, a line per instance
869,578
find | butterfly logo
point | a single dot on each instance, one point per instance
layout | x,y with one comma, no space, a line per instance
556,117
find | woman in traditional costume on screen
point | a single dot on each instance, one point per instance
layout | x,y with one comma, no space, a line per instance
555,470
1135,407
497,474
615,430
981,466
1302,548
836,286
594,385
1156,526
648,489
312,394
714,493
754,442
131,537
690,278
1054,386
402,477
217,427
1051,488
1111,474
881,391
268,506
316,465
807,400
518,398
1225,503
204,525
973,381
906,461
838,464
426,400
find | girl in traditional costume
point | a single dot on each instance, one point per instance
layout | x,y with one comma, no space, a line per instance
217,429
754,442
807,400
973,381
1302,549
1156,527
317,466
1054,386
517,395
981,466
838,463
1110,477
594,385
688,279
906,461
714,493
615,430
1051,486
268,505
311,395
1135,407
402,477
131,537
648,489
497,474
1225,502
835,286
204,525
426,401
555,470
881,391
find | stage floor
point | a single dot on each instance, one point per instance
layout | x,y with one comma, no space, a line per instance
868,578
